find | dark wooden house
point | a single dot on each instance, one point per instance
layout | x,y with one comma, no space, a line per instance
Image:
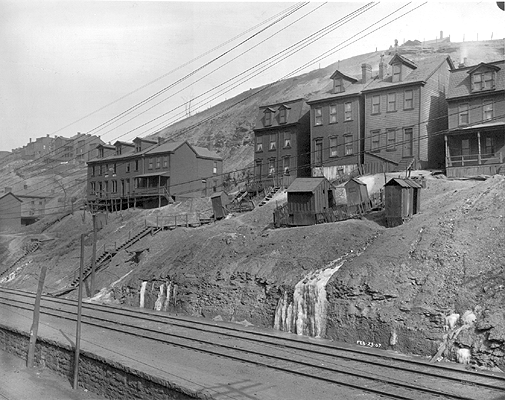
10,212
475,141
357,195
403,200
308,197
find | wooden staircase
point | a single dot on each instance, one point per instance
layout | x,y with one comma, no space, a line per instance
268,196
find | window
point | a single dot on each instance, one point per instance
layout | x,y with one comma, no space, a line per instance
391,102
287,139
100,152
333,147
106,172
286,165
100,169
214,168
333,114
408,142
271,167
409,100
118,150
268,118
158,162
114,186
376,104
136,165
150,165
283,115
338,86
391,139
397,72
93,187
375,140
483,81
114,167
348,145
257,168
318,116
463,114
348,111
487,110
273,142
465,147
106,186
128,167
318,152
93,170
259,143
489,146
138,147
165,161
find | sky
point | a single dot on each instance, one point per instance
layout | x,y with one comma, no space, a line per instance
73,66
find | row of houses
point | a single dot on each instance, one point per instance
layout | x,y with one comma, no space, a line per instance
151,173
79,148
425,115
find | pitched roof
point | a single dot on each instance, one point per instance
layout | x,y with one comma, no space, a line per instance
297,109
420,75
460,81
403,60
13,195
404,183
339,74
167,147
206,153
305,184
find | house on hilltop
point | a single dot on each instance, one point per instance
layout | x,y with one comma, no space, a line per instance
475,141
405,113
281,143
151,173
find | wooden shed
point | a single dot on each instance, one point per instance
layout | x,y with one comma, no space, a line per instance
219,202
306,198
403,200
357,195
10,212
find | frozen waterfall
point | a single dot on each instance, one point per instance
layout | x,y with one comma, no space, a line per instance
306,313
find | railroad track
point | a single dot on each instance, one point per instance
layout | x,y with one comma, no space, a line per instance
365,370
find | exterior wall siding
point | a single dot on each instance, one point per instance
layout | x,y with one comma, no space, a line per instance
10,213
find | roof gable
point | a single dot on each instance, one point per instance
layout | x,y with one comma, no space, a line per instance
482,67
397,58
11,194
339,75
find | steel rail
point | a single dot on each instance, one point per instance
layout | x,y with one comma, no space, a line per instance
378,379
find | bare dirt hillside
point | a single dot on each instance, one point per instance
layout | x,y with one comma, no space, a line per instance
398,287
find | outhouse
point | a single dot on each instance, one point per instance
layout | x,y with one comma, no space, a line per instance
357,195
219,202
308,197
403,200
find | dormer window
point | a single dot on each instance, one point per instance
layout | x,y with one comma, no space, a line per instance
283,115
118,150
338,85
100,152
483,80
138,147
397,72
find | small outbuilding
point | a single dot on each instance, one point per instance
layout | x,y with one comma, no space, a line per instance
10,212
403,200
219,202
308,197
357,195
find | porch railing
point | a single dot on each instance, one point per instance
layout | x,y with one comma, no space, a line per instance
474,159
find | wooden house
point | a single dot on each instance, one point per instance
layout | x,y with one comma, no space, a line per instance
281,144
357,195
10,212
405,111
403,200
475,141
306,198
151,173
337,125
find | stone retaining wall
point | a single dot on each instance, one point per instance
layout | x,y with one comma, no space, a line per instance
96,374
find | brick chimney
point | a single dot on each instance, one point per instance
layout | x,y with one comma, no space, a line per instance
366,72
382,67
160,140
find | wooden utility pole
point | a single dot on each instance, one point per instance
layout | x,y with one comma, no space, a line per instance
79,312
35,325
93,260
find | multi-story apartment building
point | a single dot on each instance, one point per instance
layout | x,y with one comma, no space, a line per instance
152,173
282,143
475,142
337,125
405,114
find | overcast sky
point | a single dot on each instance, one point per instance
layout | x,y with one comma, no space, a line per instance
71,66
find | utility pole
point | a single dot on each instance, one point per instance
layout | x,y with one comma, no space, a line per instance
35,325
93,259
79,312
